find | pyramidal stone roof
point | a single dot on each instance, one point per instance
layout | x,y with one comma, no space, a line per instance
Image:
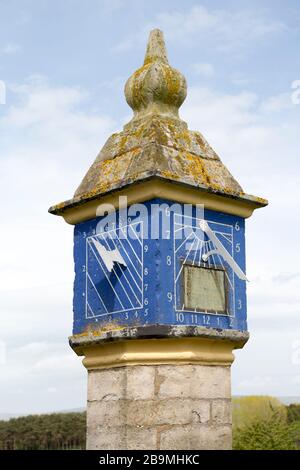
156,143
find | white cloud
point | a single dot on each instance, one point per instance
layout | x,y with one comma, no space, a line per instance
256,384
223,29
229,29
278,103
54,110
286,277
35,348
204,69
40,379
241,80
60,364
52,134
10,48
265,365
111,6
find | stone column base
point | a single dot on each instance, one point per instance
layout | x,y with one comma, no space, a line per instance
159,387
173,407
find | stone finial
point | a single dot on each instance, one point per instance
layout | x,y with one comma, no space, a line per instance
156,88
156,48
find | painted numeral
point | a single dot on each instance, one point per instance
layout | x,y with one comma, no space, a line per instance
180,317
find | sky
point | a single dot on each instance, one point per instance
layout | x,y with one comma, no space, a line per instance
64,65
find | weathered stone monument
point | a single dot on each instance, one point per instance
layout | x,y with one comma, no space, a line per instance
160,284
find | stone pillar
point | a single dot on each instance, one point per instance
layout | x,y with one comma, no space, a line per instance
159,393
159,407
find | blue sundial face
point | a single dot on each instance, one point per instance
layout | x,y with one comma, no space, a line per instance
208,250
114,271
192,272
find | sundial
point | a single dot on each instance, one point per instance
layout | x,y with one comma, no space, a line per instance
193,274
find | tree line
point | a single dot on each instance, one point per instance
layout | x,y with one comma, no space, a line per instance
259,423
44,432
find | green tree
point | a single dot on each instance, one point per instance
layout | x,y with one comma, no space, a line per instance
273,433
293,412
250,409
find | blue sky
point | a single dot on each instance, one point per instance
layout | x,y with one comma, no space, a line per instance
64,64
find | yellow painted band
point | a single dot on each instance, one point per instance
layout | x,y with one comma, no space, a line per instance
158,351
151,189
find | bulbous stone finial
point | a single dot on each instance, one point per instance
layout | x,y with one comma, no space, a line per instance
156,88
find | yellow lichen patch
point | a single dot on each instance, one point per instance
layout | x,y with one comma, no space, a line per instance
169,175
174,84
156,49
105,328
95,330
259,199
195,168
61,205
137,92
